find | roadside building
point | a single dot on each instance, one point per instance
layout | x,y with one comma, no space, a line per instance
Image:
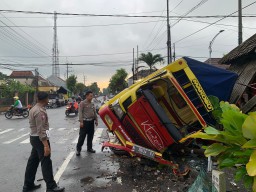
139,75
215,62
60,86
24,77
242,60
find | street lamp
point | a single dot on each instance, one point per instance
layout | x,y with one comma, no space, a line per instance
210,45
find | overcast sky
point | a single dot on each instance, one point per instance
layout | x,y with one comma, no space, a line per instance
113,44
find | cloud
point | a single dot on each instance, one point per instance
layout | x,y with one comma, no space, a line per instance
115,39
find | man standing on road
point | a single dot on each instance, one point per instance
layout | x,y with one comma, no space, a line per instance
87,118
41,149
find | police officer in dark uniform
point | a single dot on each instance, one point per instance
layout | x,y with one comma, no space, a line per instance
87,119
41,149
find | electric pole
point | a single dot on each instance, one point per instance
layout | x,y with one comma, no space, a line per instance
133,63
240,25
37,79
84,78
169,48
137,63
68,69
55,50
174,54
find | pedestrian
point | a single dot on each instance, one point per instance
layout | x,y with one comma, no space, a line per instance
87,119
41,149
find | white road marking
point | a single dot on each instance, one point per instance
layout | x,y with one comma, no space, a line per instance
22,129
61,129
63,167
5,131
10,141
25,141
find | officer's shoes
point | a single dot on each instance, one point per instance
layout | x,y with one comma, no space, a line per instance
91,150
56,189
77,153
27,189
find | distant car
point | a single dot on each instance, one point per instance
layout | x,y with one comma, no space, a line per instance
56,100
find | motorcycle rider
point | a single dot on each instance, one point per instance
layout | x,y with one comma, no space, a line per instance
17,104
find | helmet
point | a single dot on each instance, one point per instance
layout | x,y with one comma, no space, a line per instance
16,97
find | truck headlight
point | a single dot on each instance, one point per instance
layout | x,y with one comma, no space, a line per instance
118,110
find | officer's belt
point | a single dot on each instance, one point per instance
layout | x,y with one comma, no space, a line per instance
88,119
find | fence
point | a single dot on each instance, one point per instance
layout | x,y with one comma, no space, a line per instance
26,98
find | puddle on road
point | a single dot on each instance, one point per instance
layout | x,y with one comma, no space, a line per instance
108,169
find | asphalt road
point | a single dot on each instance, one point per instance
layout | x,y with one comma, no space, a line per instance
15,149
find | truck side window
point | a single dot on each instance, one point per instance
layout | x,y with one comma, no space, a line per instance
127,102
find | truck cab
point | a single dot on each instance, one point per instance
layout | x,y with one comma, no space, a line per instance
157,112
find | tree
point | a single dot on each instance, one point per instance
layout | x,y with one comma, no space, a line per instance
151,59
105,91
11,87
80,88
71,83
94,88
117,82
3,76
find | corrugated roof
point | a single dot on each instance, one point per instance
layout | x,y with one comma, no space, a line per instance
22,74
244,49
57,81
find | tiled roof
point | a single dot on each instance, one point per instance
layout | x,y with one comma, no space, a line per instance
245,49
22,74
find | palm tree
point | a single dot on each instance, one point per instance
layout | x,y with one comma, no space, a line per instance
151,59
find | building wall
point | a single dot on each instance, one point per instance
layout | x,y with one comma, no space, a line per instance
24,81
47,89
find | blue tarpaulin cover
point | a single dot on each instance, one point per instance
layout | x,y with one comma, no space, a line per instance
215,81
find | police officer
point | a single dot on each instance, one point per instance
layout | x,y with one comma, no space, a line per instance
87,119
41,149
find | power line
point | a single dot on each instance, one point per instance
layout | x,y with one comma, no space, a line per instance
212,23
26,34
176,5
83,14
190,11
87,55
18,38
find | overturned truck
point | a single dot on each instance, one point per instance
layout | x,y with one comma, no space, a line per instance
151,117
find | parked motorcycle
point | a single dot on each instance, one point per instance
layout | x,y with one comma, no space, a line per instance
24,112
71,108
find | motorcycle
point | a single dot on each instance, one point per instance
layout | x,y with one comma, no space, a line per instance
24,112
71,108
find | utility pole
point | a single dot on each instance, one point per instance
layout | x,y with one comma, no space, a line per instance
174,54
55,50
137,63
37,79
169,47
133,66
84,78
240,25
68,69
